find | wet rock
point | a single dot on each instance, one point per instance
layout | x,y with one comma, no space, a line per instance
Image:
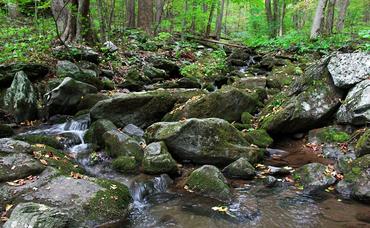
209,181
226,104
119,144
188,83
68,139
134,80
133,130
32,70
88,101
96,131
80,53
240,169
87,202
313,177
203,141
313,99
239,57
41,139
250,83
158,160
18,165
355,108
144,186
9,146
36,215
141,109
270,181
20,98
349,68
125,164
278,171
336,152
258,137
65,98
363,144
6,131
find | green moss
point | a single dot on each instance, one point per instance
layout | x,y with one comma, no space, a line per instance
241,127
363,144
109,204
5,131
246,118
356,168
48,140
124,164
57,159
258,137
331,134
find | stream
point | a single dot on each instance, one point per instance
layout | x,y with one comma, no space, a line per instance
158,202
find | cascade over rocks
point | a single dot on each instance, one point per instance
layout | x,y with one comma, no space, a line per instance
356,107
227,104
65,98
141,109
203,141
20,98
349,69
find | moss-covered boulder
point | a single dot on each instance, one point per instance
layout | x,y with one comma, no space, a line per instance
158,160
142,108
50,140
6,131
240,169
36,215
125,164
246,118
331,134
134,80
86,201
310,102
120,144
65,98
363,144
227,104
258,137
33,70
20,98
155,74
88,101
96,131
209,181
356,182
313,177
203,141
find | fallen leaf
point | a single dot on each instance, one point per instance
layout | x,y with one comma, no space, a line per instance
44,162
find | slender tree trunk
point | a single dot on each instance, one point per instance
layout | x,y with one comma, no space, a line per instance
159,7
282,15
13,10
226,15
275,18
219,19
111,14
184,20
210,18
269,17
342,15
145,15
330,17
366,18
103,33
130,14
318,18
193,23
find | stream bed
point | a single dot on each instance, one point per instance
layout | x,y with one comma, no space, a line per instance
159,202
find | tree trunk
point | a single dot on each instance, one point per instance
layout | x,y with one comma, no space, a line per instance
193,24
103,33
226,15
269,17
219,20
159,7
145,15
342,15
210,18
282,15
366,18
319,14
111,14
130,13
184,19
275,18
330,17
13,10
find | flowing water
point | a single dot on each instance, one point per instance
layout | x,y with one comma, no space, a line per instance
158,202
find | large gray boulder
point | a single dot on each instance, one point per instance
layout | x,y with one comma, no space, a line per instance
349,69
240,169
227,104
203,141
141,109
209,181
311,101
356,107
36,215
120,144
20,98
8,145
65,98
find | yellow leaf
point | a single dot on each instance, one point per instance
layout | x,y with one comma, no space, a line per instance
8,206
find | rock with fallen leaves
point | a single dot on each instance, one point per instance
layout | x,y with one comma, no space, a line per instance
209,181
203,141
314,176
36,215
8,145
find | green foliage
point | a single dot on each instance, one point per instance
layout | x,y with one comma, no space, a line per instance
25,41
